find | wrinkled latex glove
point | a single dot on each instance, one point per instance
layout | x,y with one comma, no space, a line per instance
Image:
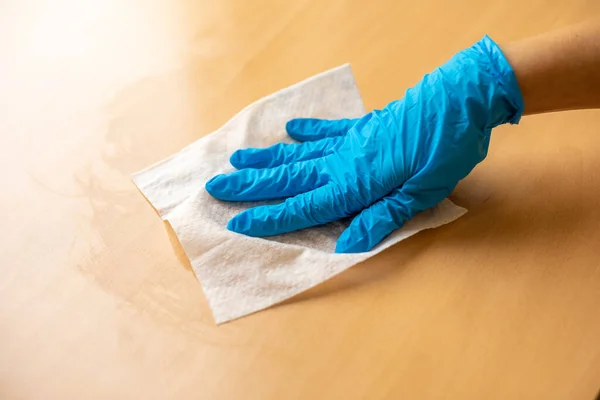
384,167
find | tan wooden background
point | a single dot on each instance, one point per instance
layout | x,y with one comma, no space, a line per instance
97,300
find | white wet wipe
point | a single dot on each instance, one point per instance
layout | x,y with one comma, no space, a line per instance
240,274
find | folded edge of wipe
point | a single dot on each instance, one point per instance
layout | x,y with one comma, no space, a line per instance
239,274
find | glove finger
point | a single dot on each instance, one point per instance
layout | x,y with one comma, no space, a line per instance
281,153
311,129
268,183
375,222
313,208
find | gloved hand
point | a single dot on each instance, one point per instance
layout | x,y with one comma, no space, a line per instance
386,166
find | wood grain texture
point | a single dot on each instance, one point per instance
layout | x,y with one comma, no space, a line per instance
97,300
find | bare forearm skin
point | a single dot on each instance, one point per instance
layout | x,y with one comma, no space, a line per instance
558,70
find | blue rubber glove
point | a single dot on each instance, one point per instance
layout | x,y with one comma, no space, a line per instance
384,167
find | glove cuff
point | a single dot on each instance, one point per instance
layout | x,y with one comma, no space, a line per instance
481,79
500,68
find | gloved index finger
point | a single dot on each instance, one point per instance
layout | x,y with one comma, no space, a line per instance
310,129
313,208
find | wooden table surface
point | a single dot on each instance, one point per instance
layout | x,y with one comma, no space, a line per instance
97,300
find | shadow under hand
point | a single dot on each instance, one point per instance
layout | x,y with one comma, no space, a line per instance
512,217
